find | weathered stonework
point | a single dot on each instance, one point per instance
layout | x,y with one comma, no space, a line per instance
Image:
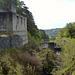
10,42
51,45
11,22
14,23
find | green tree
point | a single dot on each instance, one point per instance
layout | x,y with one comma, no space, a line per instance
70,30
62,33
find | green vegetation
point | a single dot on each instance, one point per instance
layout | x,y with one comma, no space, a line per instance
53,33
28,60
68,31
31,26
31,59
66,60
5,4
14,62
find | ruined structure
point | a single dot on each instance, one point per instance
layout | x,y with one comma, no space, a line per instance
51,45
11,22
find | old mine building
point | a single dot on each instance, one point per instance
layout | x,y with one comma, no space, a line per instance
11,22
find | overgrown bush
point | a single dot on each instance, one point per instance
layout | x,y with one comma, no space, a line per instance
13,61
47,57
67,56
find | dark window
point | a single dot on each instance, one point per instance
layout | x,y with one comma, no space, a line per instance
17,20
24,22
21,20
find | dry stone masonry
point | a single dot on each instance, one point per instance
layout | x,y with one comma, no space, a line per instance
10,42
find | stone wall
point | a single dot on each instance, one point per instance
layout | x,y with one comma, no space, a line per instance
14,23
10,42
51,45
5,22
20,27
1,10
44,45
13,8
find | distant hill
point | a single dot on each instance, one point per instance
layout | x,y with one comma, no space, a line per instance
52,33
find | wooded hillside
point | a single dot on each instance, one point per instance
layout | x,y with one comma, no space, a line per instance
31,59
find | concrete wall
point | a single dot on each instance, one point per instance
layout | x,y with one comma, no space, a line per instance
10,42
5,22
44,45
51,45
14,23
20,27
1,10
13,8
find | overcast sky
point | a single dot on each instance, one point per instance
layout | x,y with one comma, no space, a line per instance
50,14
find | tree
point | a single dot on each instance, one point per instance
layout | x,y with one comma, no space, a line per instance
62,33
5,4
70,30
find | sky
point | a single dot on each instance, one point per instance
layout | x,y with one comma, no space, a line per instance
50,14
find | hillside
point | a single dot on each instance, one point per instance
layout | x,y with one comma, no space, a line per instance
52,33
31,59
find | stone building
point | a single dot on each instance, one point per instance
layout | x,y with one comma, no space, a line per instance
11,22
51,45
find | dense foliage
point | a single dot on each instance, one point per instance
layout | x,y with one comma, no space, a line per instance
68,31
15,62
30,59
53,33
66,60
22,61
